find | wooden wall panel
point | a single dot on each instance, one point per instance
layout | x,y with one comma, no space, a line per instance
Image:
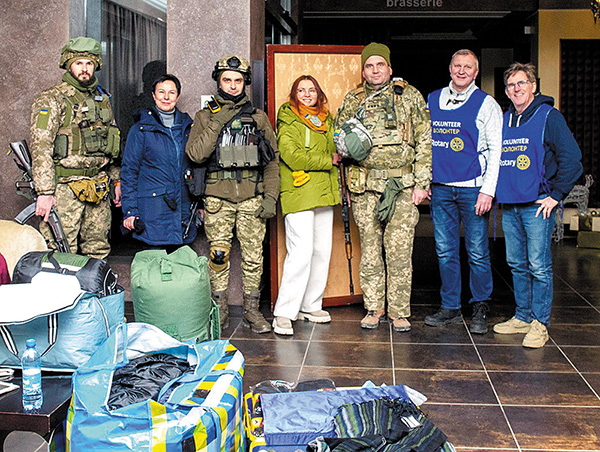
337,68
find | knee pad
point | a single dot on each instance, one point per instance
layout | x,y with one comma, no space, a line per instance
219,258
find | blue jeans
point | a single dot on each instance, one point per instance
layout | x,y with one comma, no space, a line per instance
449,207
530,260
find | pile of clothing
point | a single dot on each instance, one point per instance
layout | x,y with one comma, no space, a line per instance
143,378
383,425
373,419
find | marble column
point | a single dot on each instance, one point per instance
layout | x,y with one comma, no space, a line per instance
33,32
199,32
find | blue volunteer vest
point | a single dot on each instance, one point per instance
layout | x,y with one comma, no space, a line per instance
454,136
522,161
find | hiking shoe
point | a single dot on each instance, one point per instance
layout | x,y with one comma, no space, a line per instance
512,326
400,324
537,335
479,323
315,316
283,326
444,317
372,319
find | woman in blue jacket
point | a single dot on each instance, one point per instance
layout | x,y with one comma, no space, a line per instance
152,173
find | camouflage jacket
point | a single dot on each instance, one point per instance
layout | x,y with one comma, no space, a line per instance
400,128
201,145
47,116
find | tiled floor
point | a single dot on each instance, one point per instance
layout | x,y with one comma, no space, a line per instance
485,392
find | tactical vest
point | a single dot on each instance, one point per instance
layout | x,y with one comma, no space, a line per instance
86,128
378,114
241,149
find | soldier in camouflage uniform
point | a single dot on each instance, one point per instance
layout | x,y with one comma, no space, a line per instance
74,141
236,144
394,113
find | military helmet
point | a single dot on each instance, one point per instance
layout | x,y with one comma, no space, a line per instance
79,48
233,63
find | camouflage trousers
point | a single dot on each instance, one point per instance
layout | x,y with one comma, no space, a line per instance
392,242
85,224
220,218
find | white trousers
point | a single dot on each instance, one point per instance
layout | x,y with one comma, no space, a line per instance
308,237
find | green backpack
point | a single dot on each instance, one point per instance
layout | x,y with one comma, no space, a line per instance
172,292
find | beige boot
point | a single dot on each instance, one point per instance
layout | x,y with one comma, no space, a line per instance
319,316
252,317
283,325
221,300
400,324
372,319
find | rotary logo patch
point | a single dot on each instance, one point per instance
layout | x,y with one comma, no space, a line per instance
457,144
523,162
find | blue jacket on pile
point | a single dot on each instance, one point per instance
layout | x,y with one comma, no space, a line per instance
562,159
152,177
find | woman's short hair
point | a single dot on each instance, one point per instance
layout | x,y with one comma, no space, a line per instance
167,78
528,69
321,97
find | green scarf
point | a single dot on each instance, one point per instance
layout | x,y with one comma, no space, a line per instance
68,78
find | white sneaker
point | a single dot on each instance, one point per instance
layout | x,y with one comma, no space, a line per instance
512,326
283,326
537,335
316,316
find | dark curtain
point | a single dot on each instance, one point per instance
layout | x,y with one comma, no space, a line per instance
136,54
580,103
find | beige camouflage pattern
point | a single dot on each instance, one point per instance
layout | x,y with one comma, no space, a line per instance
220,217
397,239
408,147
408,144
90,222
53,104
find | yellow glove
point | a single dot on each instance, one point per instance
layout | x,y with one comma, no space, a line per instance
300,178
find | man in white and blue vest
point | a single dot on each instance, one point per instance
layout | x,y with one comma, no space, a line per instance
540,164
466,142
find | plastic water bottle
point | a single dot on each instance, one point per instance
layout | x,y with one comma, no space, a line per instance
31,363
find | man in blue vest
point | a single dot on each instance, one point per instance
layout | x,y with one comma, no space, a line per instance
540,164
466,141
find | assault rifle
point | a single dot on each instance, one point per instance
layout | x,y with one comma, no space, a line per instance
346,220
195,216
25,187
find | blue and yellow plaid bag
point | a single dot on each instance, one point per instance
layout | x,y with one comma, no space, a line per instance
202,411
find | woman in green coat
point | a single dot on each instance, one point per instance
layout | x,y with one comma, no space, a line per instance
309,190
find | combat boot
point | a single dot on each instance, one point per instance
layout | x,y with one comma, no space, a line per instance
252,317
479,324
221,300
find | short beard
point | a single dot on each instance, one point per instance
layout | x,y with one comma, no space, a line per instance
87,82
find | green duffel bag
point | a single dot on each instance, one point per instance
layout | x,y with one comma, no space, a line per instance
172,292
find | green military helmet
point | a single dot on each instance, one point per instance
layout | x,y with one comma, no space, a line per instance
233,63
79,48
353,140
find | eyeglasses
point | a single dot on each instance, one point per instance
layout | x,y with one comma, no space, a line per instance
310,91
522,83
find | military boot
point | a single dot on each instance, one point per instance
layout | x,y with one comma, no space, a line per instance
221,300
252,316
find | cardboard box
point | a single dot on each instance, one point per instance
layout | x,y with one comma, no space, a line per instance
585,223
569,213
588,239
